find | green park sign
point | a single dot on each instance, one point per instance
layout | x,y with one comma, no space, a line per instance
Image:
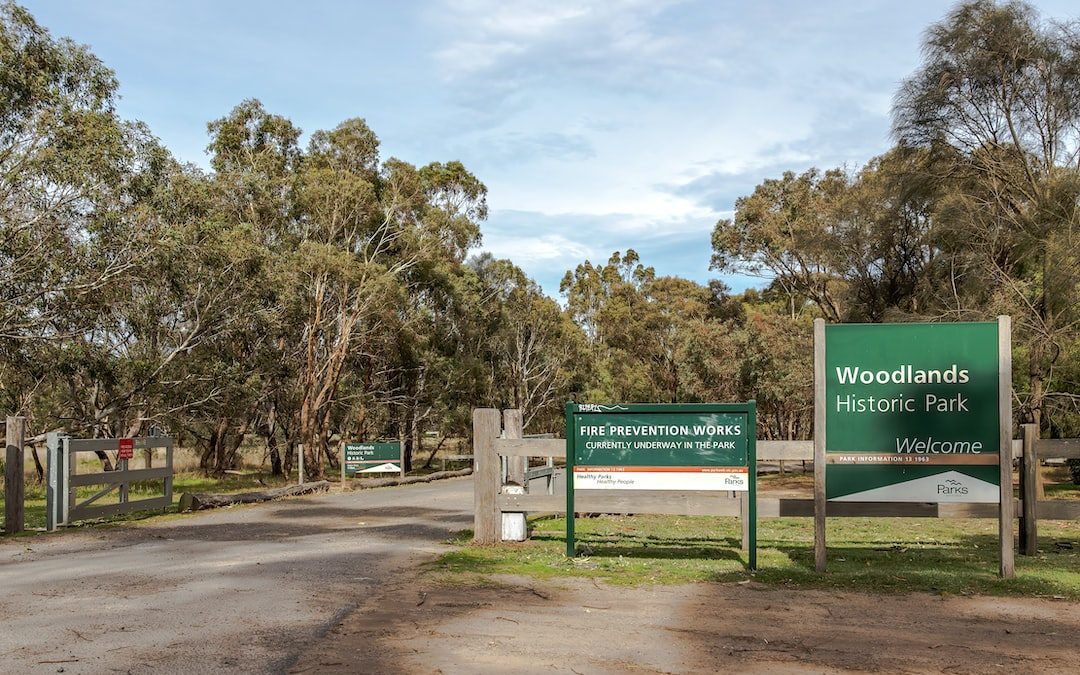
912,412
640,448
380,457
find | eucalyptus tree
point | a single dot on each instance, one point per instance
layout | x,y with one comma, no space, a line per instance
788,229
998,99
66,164
85,225
530,347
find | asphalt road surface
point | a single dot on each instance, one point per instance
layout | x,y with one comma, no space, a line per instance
235,590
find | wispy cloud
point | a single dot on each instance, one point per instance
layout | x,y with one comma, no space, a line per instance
493,36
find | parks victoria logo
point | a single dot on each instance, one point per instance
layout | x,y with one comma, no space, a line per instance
951,487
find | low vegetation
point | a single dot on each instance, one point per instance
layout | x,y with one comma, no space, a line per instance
890,555
183,482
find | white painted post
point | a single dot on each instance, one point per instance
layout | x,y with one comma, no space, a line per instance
342,465
300,462
52,489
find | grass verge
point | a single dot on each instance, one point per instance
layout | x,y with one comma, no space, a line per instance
183,482
887,555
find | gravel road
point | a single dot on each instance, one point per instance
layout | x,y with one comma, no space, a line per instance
238,590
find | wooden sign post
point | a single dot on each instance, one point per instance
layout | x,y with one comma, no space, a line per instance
14,487
913,413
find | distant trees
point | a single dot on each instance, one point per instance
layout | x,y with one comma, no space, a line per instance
302,293
998,99
976,212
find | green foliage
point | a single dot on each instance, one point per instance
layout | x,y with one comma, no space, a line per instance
309,294
1074,470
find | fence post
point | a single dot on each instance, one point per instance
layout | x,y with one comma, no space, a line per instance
515,466
819,445
169,466
1007,568
486,429
1029,467
71,466
55,498
14,517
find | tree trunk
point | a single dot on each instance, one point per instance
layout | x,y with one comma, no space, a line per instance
38,469
1035,379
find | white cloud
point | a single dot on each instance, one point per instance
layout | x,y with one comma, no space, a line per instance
529,251
486,34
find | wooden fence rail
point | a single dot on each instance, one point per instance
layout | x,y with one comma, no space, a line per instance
1035,450
491,443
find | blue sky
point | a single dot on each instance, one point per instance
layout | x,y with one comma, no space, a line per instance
597,126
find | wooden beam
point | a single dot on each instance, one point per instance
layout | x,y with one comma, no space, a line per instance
1029,467
819,445
112,444
1007,568
14,486
771,451
1058,448
531,447
710,504
627,501
1059,509
199,501
515,466
118,476
486,478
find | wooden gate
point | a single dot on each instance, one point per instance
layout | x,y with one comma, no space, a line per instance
63,504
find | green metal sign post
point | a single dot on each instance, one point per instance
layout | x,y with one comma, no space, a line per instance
662,447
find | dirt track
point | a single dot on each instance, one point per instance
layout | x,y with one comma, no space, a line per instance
581,627
236,590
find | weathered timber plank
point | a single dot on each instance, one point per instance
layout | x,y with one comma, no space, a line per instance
530,447
89,512
487,426
771,451
1058,509
1058,448
512,429
110,444
113,477
14,479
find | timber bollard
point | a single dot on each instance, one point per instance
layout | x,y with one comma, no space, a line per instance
14,480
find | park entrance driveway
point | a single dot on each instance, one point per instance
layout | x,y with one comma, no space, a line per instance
238,590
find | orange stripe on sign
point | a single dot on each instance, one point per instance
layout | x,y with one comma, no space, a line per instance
660,469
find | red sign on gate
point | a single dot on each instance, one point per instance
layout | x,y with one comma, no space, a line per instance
127,448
